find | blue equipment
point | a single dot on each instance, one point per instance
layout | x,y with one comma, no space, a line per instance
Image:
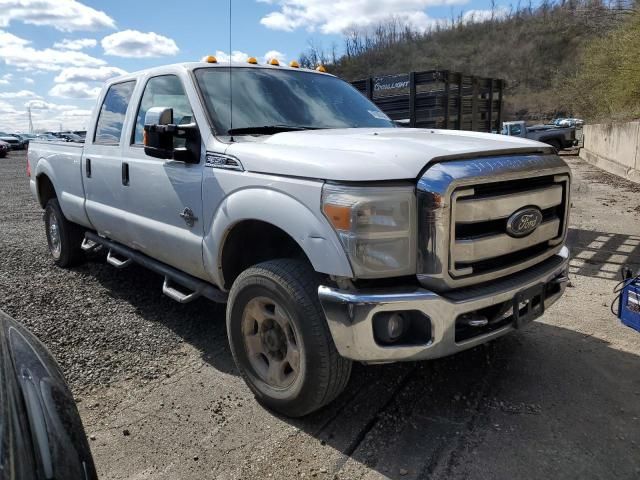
629,300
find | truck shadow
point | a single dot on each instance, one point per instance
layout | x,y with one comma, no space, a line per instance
537,403
200,323
601,254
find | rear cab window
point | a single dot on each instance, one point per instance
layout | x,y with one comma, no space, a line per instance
113,113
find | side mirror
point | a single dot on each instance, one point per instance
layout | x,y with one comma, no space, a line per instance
159,134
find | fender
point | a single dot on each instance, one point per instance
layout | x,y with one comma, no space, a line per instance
43,167
313,233
72,205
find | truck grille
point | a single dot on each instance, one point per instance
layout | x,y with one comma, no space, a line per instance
479,224
465,207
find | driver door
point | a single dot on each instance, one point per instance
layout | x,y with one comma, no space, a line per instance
164,197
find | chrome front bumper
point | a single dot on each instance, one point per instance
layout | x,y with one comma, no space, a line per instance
350,314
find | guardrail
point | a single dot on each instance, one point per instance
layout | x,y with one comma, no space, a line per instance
614,147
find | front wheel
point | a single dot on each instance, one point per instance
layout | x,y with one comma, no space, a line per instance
555,144
63,237
280,339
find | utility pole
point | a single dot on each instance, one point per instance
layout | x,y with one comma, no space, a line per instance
30,121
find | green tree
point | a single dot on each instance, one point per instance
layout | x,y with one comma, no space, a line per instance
607,83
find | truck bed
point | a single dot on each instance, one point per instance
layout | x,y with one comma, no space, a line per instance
61,162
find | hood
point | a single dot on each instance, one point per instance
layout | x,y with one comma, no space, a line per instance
368,154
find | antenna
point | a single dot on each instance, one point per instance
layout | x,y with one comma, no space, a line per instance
230,78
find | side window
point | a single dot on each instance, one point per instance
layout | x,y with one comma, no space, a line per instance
164,91
112,113
516,130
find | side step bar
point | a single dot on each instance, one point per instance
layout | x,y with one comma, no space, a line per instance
172,276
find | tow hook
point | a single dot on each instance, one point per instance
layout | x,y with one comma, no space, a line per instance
560,279
474,320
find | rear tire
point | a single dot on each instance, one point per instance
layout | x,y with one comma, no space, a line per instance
280,339
63,237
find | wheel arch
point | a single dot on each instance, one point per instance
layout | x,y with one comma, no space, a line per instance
280,216
45,188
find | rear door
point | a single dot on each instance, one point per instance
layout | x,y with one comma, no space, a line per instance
164,197
105,203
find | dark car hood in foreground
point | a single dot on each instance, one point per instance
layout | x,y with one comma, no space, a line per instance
41,431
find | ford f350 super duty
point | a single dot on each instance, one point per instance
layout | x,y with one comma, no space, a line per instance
331,235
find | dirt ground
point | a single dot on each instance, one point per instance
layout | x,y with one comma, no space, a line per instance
160,396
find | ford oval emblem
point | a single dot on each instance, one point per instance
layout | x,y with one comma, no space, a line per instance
524,222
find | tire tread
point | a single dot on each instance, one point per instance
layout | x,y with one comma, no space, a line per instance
301,283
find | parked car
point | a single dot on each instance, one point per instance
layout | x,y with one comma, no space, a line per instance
331,234
71,137
41,431
4,149
13,140
557,137
47,137
26,137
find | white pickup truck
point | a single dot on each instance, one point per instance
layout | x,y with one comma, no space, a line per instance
331,235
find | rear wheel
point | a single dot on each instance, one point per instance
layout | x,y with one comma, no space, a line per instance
64,237
280,339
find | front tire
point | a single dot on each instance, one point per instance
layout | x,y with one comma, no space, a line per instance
555,144
63,237
280,339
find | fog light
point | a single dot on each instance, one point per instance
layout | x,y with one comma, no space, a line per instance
389,327
395,326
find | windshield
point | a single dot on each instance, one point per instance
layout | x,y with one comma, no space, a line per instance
284,98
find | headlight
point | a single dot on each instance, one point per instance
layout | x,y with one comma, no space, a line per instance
377,227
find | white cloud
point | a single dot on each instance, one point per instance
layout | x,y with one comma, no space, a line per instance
240,57
17,52
10,40
28,80
19,94
131,43
479,16
77,112
42,105
77,44
74,90
6,79
63,15
236,56
84,74
281,57
7,108
338,17
45,116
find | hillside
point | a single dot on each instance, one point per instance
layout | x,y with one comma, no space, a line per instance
537,51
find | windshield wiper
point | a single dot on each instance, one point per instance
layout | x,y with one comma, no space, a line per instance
267,129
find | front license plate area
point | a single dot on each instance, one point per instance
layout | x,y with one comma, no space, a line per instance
528,305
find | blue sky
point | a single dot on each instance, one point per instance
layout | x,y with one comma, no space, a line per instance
55,54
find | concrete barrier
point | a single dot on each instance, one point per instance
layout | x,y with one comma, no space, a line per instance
614,147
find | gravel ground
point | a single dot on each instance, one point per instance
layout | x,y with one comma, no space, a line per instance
160,396
101,326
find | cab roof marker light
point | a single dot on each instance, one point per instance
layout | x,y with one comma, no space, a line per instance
275,62
252,60
320,68
294,64
210,59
